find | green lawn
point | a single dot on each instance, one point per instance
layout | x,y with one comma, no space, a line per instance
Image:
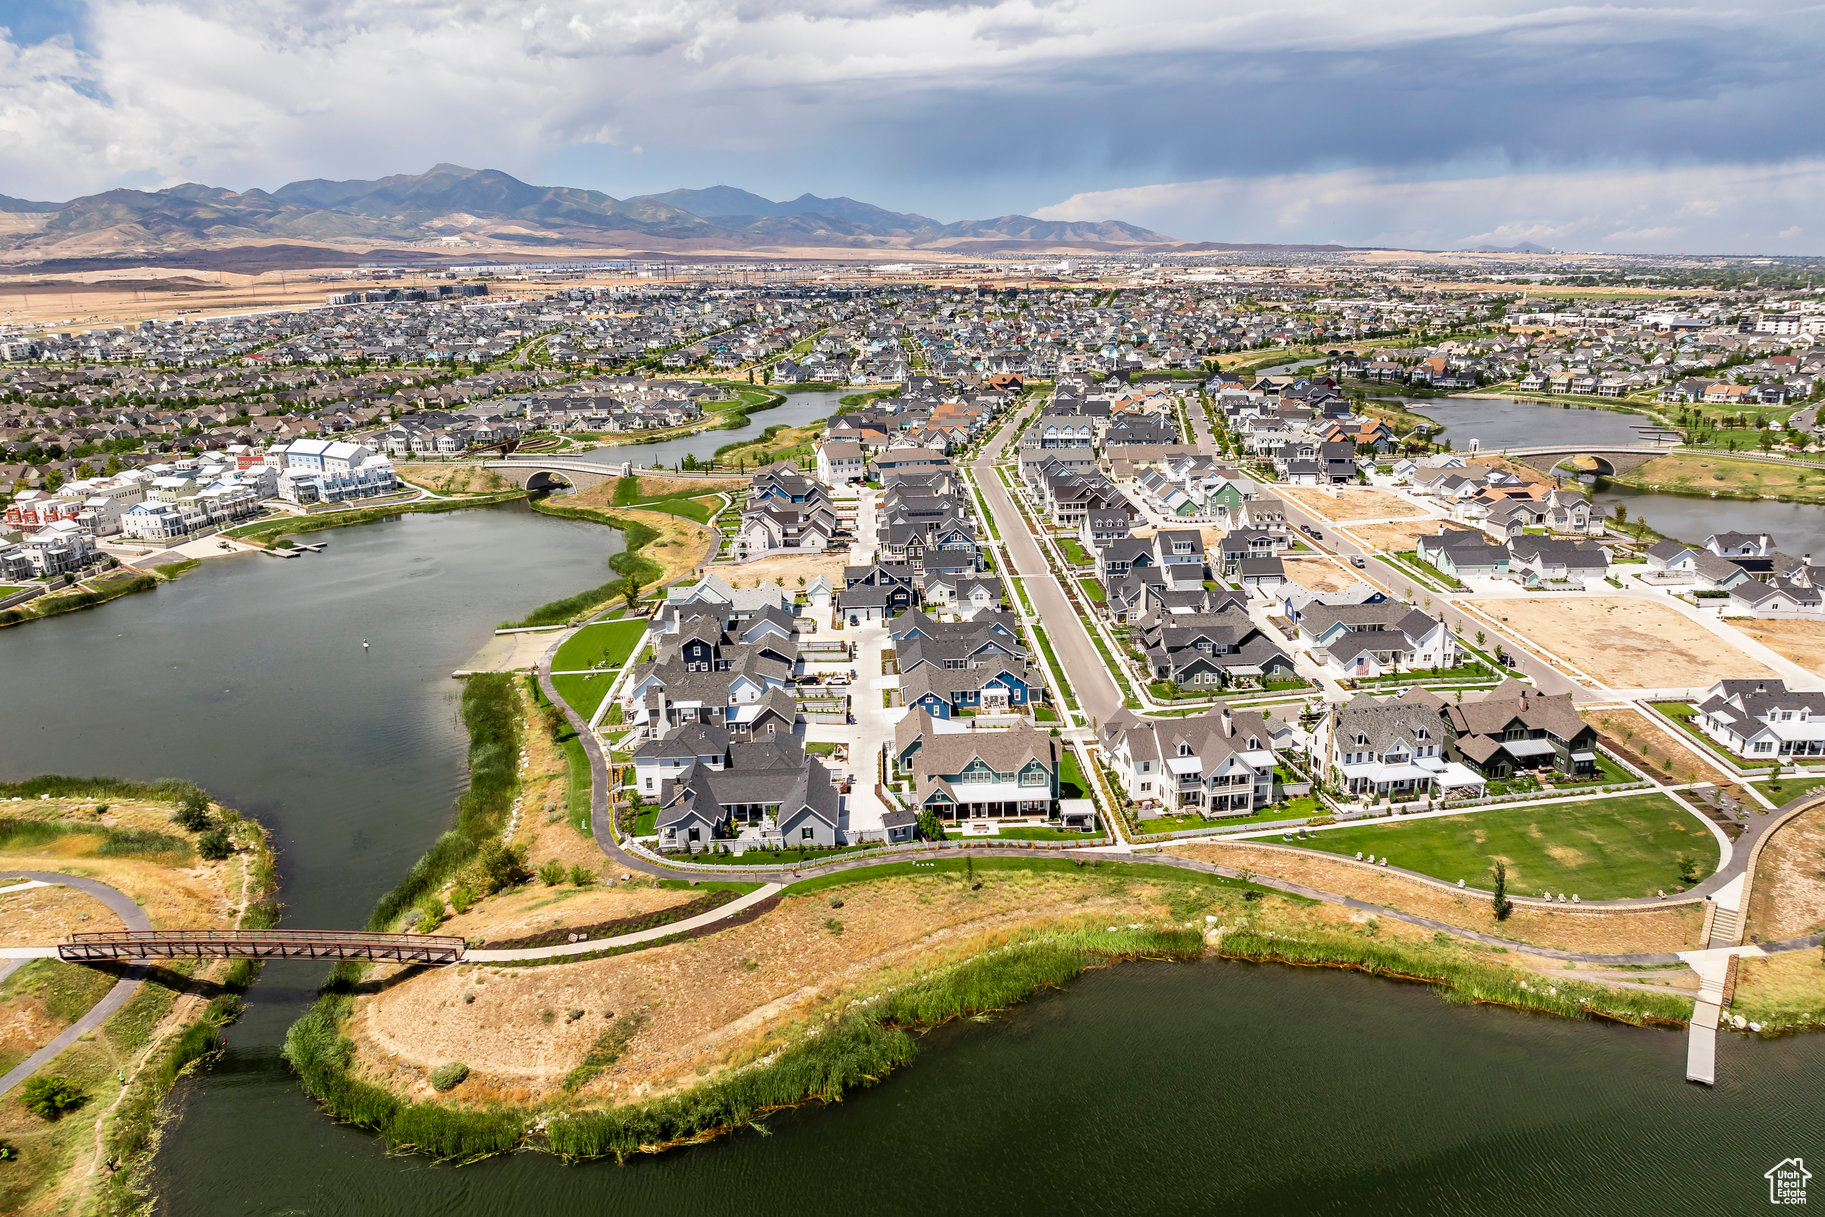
1073,551
1604,849
607,643
6,591
1094,590
576,766
1786,789
584,691
1043,834
1071,784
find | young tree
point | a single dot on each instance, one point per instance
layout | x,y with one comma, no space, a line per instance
632,594
193,810
1498,899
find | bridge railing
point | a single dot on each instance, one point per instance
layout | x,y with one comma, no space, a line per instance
261,944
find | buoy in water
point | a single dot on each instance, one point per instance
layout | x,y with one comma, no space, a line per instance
364,644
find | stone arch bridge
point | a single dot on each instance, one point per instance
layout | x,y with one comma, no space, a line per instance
549,473
1608,461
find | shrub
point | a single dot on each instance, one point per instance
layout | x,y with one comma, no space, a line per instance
449,1076
49,1096
193,810
214,845
462,898
503,866
552,873
8,1151
581,876
431,912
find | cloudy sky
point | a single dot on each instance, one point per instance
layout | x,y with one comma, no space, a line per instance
1666,126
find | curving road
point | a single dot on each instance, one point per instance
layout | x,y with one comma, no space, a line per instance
135,918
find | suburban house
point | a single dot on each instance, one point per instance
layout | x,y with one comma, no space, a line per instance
964,774
1395,748
979,665
1377,639
1514,729
1218,763
768,792
1763,719
1211,650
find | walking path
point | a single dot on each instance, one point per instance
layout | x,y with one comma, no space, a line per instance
135,918
765,892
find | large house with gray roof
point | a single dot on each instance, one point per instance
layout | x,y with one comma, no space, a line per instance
1763,719
960,773
1354,641
1394,748
1218,764
766,791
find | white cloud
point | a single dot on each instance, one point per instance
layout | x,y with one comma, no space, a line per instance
1719,208
241,94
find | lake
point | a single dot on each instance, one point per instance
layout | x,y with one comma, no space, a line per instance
1195,1088
800,407
1498,423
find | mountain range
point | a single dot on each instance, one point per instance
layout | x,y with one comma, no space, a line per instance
452,205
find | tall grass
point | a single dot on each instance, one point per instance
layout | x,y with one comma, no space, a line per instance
1463,981
20,835
58,786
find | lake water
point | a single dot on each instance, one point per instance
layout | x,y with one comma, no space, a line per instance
1197,1088
800,407
1498,423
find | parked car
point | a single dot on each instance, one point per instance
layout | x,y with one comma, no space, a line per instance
1357,562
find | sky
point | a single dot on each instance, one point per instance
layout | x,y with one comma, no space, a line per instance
1654,127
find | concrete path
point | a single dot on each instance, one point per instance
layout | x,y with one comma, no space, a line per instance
764,892
135,918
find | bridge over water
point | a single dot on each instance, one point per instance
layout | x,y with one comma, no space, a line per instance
141,945
1610,459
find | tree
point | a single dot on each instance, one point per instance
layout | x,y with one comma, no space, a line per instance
1621,514
929,827
632,594
1479,638
50,1096
1498,899
193,810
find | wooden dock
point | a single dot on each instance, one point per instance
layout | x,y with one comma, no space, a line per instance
1701,1043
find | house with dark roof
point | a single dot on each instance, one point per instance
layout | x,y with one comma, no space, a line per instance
1394,748
1763,719
966,774
767,792
1217,763
1512,729
1375,639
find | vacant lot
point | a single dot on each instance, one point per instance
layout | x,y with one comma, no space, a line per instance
1605,849
1396,538
1801,641
1355,503
1788,896
1319,574
1669,759
1628,644
785,571
1692,474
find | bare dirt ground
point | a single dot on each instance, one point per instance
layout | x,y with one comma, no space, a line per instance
1801,641
785,571
1627,643
509,653
1527,473
1787,898
1396,538
1353,503
1648,739
681,544
653,486
1318,574
1601,933
453,478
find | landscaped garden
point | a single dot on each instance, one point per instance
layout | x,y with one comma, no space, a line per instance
1683,713
1603,849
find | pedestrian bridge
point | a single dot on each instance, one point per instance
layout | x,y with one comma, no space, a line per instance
139,945
1609,460
547,473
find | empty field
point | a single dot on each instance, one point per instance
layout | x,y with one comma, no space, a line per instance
1628,644
1356,503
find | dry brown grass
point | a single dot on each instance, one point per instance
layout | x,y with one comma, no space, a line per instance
1597,932
1627,643
43,915
1352,503
453,478
653,486
1801,641
1787,989
1787,899
713,1001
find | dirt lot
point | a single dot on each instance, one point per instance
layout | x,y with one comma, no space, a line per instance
1318,574
1787,899
1396,538
1647,738
1801,641
785,571
453,478
1352,503
1603,933
1626,643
